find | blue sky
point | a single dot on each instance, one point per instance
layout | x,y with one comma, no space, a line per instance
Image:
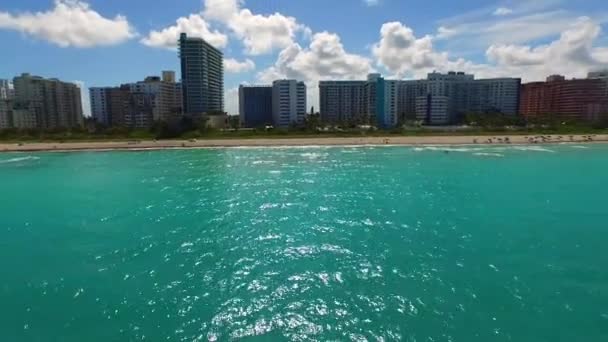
108,42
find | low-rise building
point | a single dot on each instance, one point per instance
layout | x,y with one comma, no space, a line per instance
218,121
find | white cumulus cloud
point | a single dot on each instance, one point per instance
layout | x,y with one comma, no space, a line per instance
231,65
500,11
324,59
573,54
402,53
70,23
260,34
193,25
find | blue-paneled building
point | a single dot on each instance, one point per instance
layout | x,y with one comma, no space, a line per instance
255,106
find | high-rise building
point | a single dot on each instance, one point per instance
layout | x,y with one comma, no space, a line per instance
6,90
139,104
140,114
53,103
576,100
433,109
456,87
387,100
408,92
288,103
360,102
495,95
600,75
202,67
24,117
255,106
6,114
119,104
343,102
455,94
440,99
100,105
163,95
117,107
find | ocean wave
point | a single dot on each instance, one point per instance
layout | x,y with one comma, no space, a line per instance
19,159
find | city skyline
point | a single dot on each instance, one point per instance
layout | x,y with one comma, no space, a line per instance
267,40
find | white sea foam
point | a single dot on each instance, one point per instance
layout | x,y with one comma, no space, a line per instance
447,149
268,237
488,154
314,155
533,149
579,147
19,159
338,277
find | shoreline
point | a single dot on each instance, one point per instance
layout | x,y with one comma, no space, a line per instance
145,145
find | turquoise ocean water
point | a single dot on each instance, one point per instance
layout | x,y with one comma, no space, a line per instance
298,244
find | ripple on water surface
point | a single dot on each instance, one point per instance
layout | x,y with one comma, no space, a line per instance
358,244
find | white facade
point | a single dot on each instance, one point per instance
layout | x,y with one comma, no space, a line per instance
288,103
6,90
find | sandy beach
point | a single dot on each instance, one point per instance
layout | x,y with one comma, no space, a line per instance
388,140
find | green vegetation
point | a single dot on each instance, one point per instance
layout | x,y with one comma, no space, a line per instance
476,124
